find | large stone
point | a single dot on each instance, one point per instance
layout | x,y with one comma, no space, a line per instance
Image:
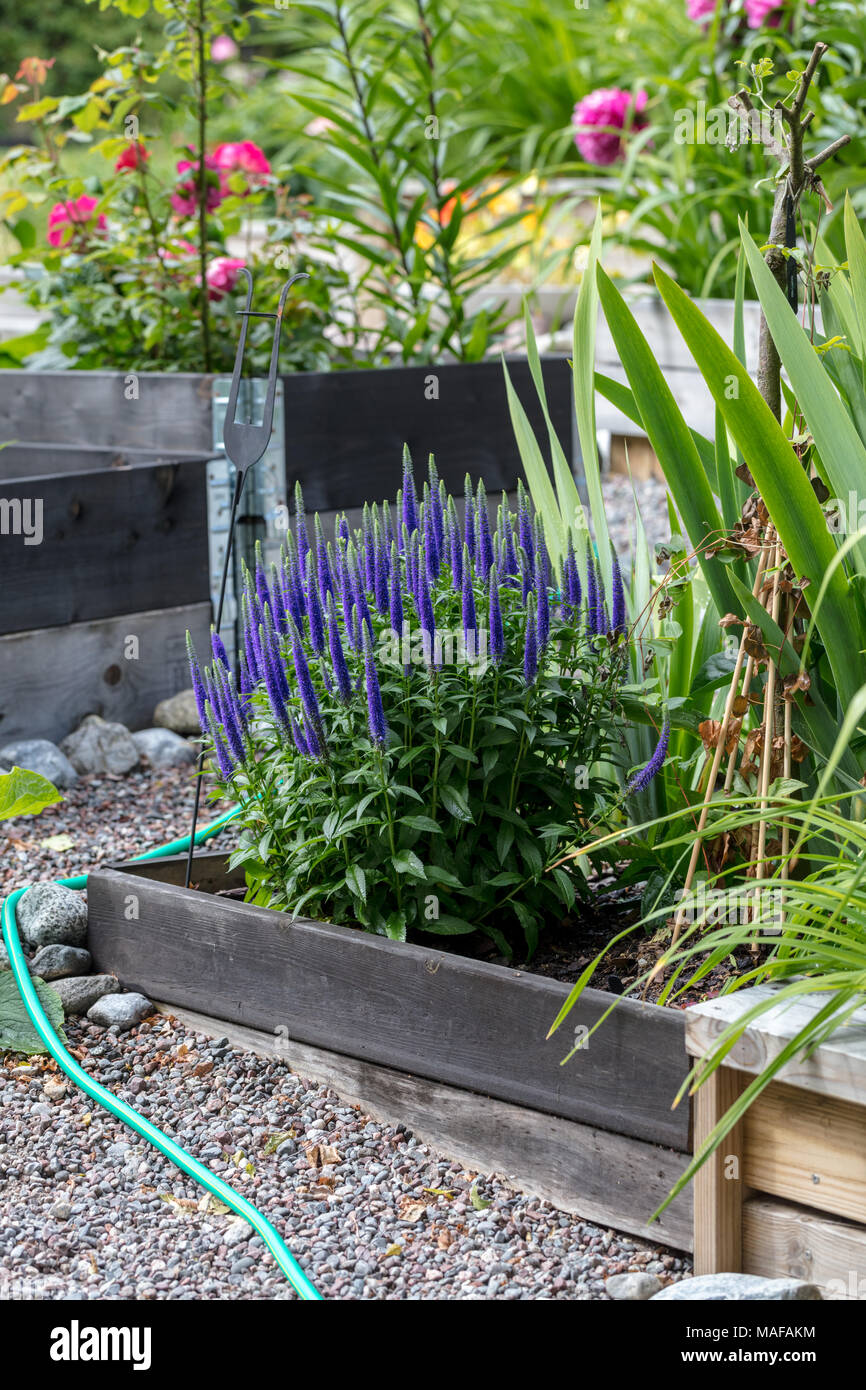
748,1288
120,1010
4,957
180,713
632,1288
59,962
49,914
38,755
163,748
98,746
78,993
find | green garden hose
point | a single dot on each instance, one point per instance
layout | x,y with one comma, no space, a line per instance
124,1112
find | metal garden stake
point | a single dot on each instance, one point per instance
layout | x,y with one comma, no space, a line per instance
245,443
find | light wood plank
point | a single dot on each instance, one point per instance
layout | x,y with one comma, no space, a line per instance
602,1177
836,1068
718,1184
783,1240
807,1148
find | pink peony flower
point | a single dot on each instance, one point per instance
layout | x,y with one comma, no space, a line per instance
223,48
700,9
604,108
222,276
74,215
761,12
244,157
184,199
132,157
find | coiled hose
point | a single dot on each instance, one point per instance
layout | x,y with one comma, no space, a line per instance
179,1157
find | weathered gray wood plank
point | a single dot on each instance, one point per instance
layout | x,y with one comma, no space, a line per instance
420,1010
172,410
113,541
52,677
602,1177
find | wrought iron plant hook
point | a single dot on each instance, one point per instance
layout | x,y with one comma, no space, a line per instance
245,443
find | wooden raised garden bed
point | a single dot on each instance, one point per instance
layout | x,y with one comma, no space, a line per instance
784,1194
419,1031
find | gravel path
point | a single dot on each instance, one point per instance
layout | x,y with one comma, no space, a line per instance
87,1210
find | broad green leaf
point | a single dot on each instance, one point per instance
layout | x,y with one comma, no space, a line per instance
837,441
24,793
17,1033
777,471
669,435
357,881
583,380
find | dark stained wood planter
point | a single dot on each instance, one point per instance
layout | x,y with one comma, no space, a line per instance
418,1011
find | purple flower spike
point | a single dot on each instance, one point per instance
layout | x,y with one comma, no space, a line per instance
527,578
468,596
510,566
591,591
530,648
375,711
642,779
315,738
497,635
602,626
221,752
484,544
342,680
542,551
570,577
425,610
410,496
436,506
343,530
197,683
301,528
305,680
525,537
314,611
262,586
455,546
368,550
396,595
542,623
323,567
298,736
272,653
469,518
230,713
217,646
617,603
431,541
381,571
388,526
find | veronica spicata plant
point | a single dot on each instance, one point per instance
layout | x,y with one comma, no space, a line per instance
421,718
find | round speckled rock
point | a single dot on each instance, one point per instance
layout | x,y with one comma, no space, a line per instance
49,914
58,962
163,748
121,1011
39,755
632,1288
80,992
100,746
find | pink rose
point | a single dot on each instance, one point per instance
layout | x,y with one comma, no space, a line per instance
223,48
244,157
599,119
65,219
761,12
700,9
184,199
132,157
222,276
